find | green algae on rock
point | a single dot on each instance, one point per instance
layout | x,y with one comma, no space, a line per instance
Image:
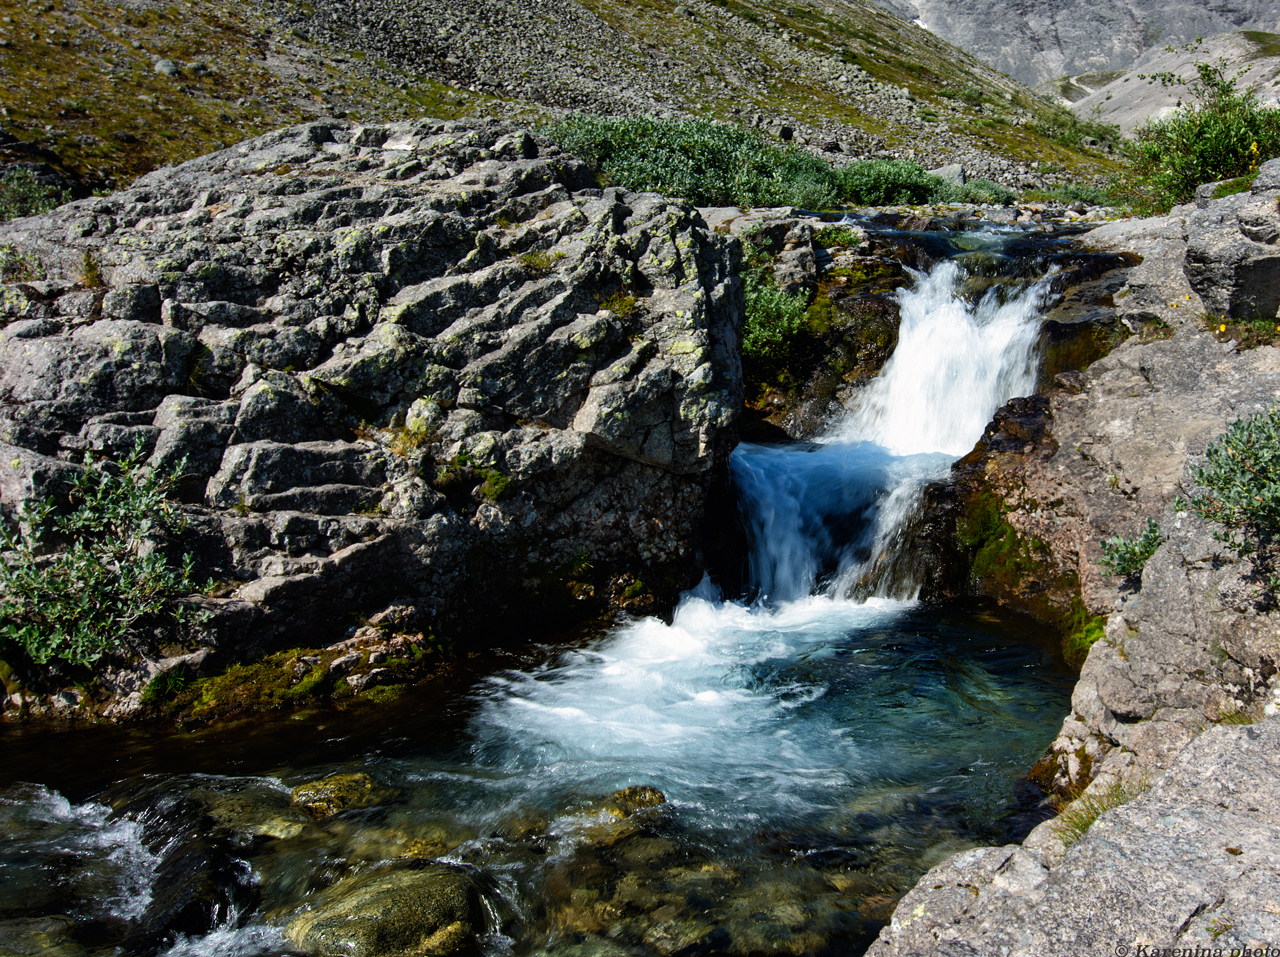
341,792
410,910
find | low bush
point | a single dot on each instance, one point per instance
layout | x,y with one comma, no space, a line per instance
1239,486
883,182
773,318
1127,556
1070,193
976,191
22,194
706,163
1223,133
717,164
77,584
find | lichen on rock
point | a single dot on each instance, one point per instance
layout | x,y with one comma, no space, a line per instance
366,357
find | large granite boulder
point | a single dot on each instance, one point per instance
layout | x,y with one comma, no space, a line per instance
429,362
1233,250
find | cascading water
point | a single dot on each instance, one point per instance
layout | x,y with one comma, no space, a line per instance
816,751
713,701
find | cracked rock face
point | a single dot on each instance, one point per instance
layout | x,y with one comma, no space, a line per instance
425,359
1191,862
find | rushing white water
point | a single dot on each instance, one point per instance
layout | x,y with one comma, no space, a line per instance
724,708
816,751
119,882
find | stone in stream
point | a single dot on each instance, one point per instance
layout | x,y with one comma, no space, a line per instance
429,910
341,792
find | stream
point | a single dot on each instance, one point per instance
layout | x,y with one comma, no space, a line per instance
766,774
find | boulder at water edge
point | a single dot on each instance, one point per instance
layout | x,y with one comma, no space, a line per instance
427,361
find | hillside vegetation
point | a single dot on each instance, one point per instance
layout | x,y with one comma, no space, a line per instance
112,91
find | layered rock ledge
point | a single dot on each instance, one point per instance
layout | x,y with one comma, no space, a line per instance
427,362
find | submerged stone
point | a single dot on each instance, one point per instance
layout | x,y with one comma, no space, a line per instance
427,911
628,801
340,792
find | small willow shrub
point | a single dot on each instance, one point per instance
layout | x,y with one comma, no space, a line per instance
718,164
883,182
774,318
22,194
1221,134
1239,485
706,163
106,578
1127,556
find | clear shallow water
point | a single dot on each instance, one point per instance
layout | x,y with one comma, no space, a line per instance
815,752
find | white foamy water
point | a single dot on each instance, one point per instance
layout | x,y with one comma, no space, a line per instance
954,365
118,882
724,708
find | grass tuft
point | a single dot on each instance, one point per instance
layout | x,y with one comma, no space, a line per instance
1077,817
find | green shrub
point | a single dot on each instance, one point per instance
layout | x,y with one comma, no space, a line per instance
773,319
1223,133
22,194
976,191
1126,556
835,237
716,164
107,576
884,182
1070,193
1239,485
706,163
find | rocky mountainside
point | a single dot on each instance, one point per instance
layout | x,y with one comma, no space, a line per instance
427,362
111,91
1035,42
1128,100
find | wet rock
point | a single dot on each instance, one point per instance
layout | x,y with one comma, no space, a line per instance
433,910
628,801
41,937
341,792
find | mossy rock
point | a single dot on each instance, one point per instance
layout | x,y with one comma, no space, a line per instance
341,792
433,910
628,801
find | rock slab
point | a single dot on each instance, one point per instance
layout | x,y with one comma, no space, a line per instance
1193,861
428,361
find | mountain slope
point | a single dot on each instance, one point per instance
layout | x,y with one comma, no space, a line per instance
1128,100
1036,40
115,90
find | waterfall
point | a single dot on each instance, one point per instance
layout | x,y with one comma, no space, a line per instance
818,515
711,704
817,751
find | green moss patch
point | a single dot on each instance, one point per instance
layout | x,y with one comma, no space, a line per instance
1018,570
285,680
